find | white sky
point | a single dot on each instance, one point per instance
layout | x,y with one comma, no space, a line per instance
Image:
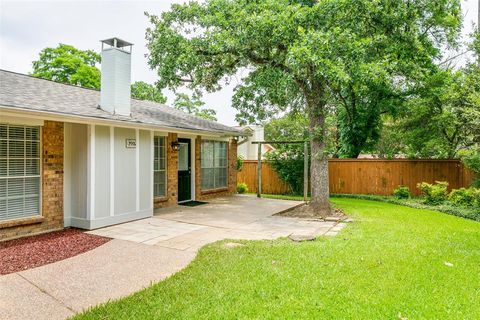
26,27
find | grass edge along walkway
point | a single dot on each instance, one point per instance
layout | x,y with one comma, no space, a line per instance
392,262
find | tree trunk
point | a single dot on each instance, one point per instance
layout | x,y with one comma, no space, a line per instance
320,203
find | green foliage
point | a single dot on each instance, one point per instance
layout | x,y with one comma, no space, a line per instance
464,212
68,64
402,192
463,197
144,91
289,166
434,193
476,198
242,188
390,144
288,159
239,163
193,105
441,118
299,55
472,162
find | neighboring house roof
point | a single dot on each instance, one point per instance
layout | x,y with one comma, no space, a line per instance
248,131
25,92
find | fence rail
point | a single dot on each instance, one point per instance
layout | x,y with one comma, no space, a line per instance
367,176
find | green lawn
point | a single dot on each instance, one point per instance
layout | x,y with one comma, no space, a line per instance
393,262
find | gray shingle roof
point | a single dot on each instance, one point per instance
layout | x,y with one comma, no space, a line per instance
25,92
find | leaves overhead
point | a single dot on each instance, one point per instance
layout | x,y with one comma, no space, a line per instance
194,105
145,91
201,44
68,64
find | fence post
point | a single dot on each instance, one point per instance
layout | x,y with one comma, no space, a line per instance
305,172
259,171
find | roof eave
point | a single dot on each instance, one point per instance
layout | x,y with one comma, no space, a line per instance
67,117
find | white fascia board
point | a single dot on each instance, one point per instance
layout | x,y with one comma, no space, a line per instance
204,137
187,136
20,120
53,116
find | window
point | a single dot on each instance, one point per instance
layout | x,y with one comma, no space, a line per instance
19,171
159,165
214,164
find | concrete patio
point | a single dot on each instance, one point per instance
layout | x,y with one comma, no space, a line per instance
238,217
143,252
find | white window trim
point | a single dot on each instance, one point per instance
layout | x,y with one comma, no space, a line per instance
155,134
227,166
14,121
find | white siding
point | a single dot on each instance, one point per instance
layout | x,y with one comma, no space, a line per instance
146,174
119,189
248,150
115,81
125,180
75,201
102,171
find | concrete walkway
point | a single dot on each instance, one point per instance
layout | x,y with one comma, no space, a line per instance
143,252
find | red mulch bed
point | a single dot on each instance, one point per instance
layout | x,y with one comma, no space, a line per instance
30,252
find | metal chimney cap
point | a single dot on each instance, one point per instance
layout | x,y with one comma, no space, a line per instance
116,42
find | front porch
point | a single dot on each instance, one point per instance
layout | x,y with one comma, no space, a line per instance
234,217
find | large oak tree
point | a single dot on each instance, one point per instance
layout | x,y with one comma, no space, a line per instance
297,53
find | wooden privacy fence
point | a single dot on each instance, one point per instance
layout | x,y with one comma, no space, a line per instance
367,176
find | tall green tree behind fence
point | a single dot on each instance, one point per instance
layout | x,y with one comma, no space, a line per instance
367,176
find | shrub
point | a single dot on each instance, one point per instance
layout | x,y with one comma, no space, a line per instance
402,192
476,197
288,163
434,193
242,187
472,162
240,163
462,197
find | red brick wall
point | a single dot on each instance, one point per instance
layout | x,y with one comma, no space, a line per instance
198,168
172,174
52,188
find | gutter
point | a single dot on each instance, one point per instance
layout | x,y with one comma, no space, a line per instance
66,117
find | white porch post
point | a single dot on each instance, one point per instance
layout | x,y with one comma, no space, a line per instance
91,173
112,171
137,169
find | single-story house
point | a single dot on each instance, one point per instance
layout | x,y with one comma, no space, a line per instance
71,156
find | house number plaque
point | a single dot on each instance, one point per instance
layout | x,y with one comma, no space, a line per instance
130,143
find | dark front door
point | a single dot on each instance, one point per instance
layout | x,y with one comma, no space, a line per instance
184,171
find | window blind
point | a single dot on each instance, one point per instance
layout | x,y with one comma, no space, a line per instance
19,171
214,162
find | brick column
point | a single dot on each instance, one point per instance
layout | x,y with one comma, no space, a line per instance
232,166
52,187
198,168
